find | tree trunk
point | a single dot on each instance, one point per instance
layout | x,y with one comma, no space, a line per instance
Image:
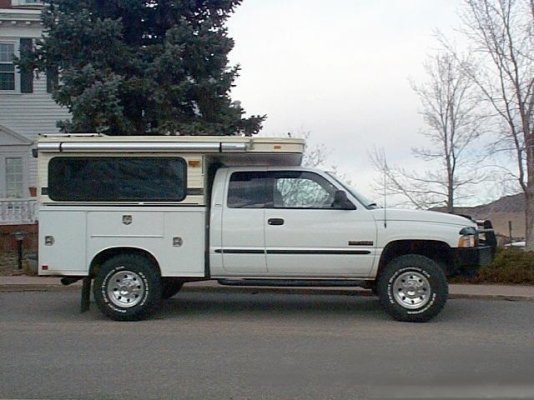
529,192
529,217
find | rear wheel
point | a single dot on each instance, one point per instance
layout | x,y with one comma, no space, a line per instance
412,288
127,288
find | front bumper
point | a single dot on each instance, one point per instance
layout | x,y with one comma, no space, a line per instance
469,260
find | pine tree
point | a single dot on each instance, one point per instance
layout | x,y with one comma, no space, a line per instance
131,67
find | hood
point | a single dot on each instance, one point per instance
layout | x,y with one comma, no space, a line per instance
421,216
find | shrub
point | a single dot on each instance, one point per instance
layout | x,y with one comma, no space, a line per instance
509,266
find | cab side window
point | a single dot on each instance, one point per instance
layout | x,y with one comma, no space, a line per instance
248,190
280,189
302,190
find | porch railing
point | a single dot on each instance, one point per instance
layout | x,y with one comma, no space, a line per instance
18,211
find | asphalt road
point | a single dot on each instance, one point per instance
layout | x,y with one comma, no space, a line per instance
263,346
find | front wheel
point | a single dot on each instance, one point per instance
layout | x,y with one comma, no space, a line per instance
127,288
412,288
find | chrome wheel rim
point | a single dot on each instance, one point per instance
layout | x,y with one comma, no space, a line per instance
411,290
125,289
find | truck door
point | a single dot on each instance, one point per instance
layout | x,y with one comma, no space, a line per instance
305,236
243,233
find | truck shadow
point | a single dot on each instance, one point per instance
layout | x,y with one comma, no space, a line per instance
198,304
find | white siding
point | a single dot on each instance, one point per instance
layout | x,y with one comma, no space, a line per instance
27,114
31,114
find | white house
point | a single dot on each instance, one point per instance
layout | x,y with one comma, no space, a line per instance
26,109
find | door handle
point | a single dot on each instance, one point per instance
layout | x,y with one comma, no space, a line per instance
275,221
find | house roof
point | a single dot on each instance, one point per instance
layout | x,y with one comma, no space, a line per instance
9,137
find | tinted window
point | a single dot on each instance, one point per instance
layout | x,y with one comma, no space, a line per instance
280,189
248,190
117,179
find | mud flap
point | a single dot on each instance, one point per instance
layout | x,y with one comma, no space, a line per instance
86,294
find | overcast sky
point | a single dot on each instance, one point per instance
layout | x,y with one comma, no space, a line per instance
340,70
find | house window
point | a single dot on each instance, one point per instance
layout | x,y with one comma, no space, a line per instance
14,177
7,68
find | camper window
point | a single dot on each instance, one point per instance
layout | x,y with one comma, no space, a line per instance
117,179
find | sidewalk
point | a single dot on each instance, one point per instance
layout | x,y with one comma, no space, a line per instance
456,291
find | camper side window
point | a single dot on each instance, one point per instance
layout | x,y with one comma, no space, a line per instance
117,179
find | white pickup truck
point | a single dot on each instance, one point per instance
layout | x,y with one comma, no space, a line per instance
143,215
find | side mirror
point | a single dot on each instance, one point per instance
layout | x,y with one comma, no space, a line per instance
342,202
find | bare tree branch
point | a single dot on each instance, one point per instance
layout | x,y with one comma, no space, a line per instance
450,109
502,33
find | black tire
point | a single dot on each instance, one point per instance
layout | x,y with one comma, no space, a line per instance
127,288
170,286
412,288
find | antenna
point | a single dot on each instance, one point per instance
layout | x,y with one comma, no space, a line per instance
385,199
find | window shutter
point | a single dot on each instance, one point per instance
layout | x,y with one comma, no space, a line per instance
51,79
26,74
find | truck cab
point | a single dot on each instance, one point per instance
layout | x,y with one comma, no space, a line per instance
271,222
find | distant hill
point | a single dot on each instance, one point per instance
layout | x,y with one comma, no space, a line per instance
506,204
500,212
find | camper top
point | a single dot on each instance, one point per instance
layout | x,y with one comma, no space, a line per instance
79,160
99,143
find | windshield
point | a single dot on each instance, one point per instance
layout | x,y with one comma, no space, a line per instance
360,197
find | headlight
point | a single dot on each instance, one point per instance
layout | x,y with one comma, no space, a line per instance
468,238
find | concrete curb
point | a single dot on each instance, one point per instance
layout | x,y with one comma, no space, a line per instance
37,288
490,297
